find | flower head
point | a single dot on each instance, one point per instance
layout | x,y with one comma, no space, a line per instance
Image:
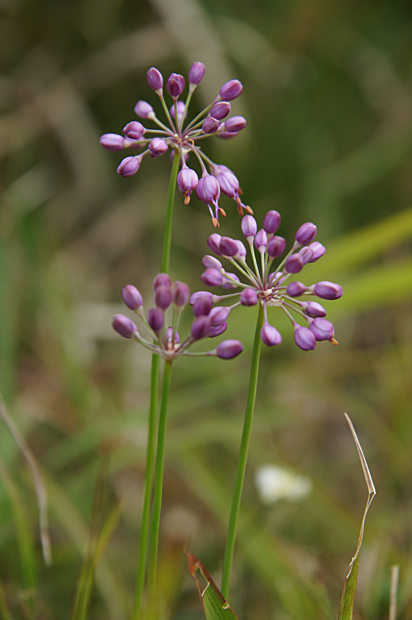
165,339
174,134
271,286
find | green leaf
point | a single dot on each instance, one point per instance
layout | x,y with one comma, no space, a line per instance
215,606
349,590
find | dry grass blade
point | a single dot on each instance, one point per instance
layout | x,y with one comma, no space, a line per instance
371,490
349,590
39,487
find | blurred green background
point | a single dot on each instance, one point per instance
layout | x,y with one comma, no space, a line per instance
328,98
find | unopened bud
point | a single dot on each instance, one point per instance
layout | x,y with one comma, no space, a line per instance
154,78
228,349
112,142
123,326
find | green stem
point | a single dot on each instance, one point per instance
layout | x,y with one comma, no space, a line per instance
152,422
167,235
158,486
150,460
243,452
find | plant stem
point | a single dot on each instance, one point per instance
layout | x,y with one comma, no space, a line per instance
158,485
150,460
167,235
242,459
152,422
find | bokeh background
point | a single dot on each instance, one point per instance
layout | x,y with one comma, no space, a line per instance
328,98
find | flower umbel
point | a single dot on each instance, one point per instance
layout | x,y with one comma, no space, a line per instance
174,134
166,340
271,286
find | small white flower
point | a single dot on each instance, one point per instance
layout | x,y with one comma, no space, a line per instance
274,483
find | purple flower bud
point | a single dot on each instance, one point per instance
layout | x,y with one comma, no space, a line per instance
269,335
304,338
175,85
132,297
306,254
241,252
220,110
271,222
228,182
261,240
248,297
228,349
235,124
328,290
202,306
313,309
112,142
196,73
195,296
187,181
155,319
219,315
128,166
231,90
318,251
134,130
210,262
322,329
217,330
230,283
157,147
212,277
214,243
276,246
295,289
226,135
200,327
143,109
181,106
208,189
249,226
306,233
162,279
163,297
123,325
228,247
294,263
210,125
180,293
154,78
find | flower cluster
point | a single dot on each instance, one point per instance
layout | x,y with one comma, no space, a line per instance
177,136
270,286
165,337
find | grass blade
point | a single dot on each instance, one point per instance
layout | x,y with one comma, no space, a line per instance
39,487
215,606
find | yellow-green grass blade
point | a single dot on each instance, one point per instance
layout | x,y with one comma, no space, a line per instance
215,606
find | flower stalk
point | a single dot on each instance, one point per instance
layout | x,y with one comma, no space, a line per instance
242,458
152,421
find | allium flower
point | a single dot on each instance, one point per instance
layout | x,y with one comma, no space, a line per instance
270,286
207,323
174,134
